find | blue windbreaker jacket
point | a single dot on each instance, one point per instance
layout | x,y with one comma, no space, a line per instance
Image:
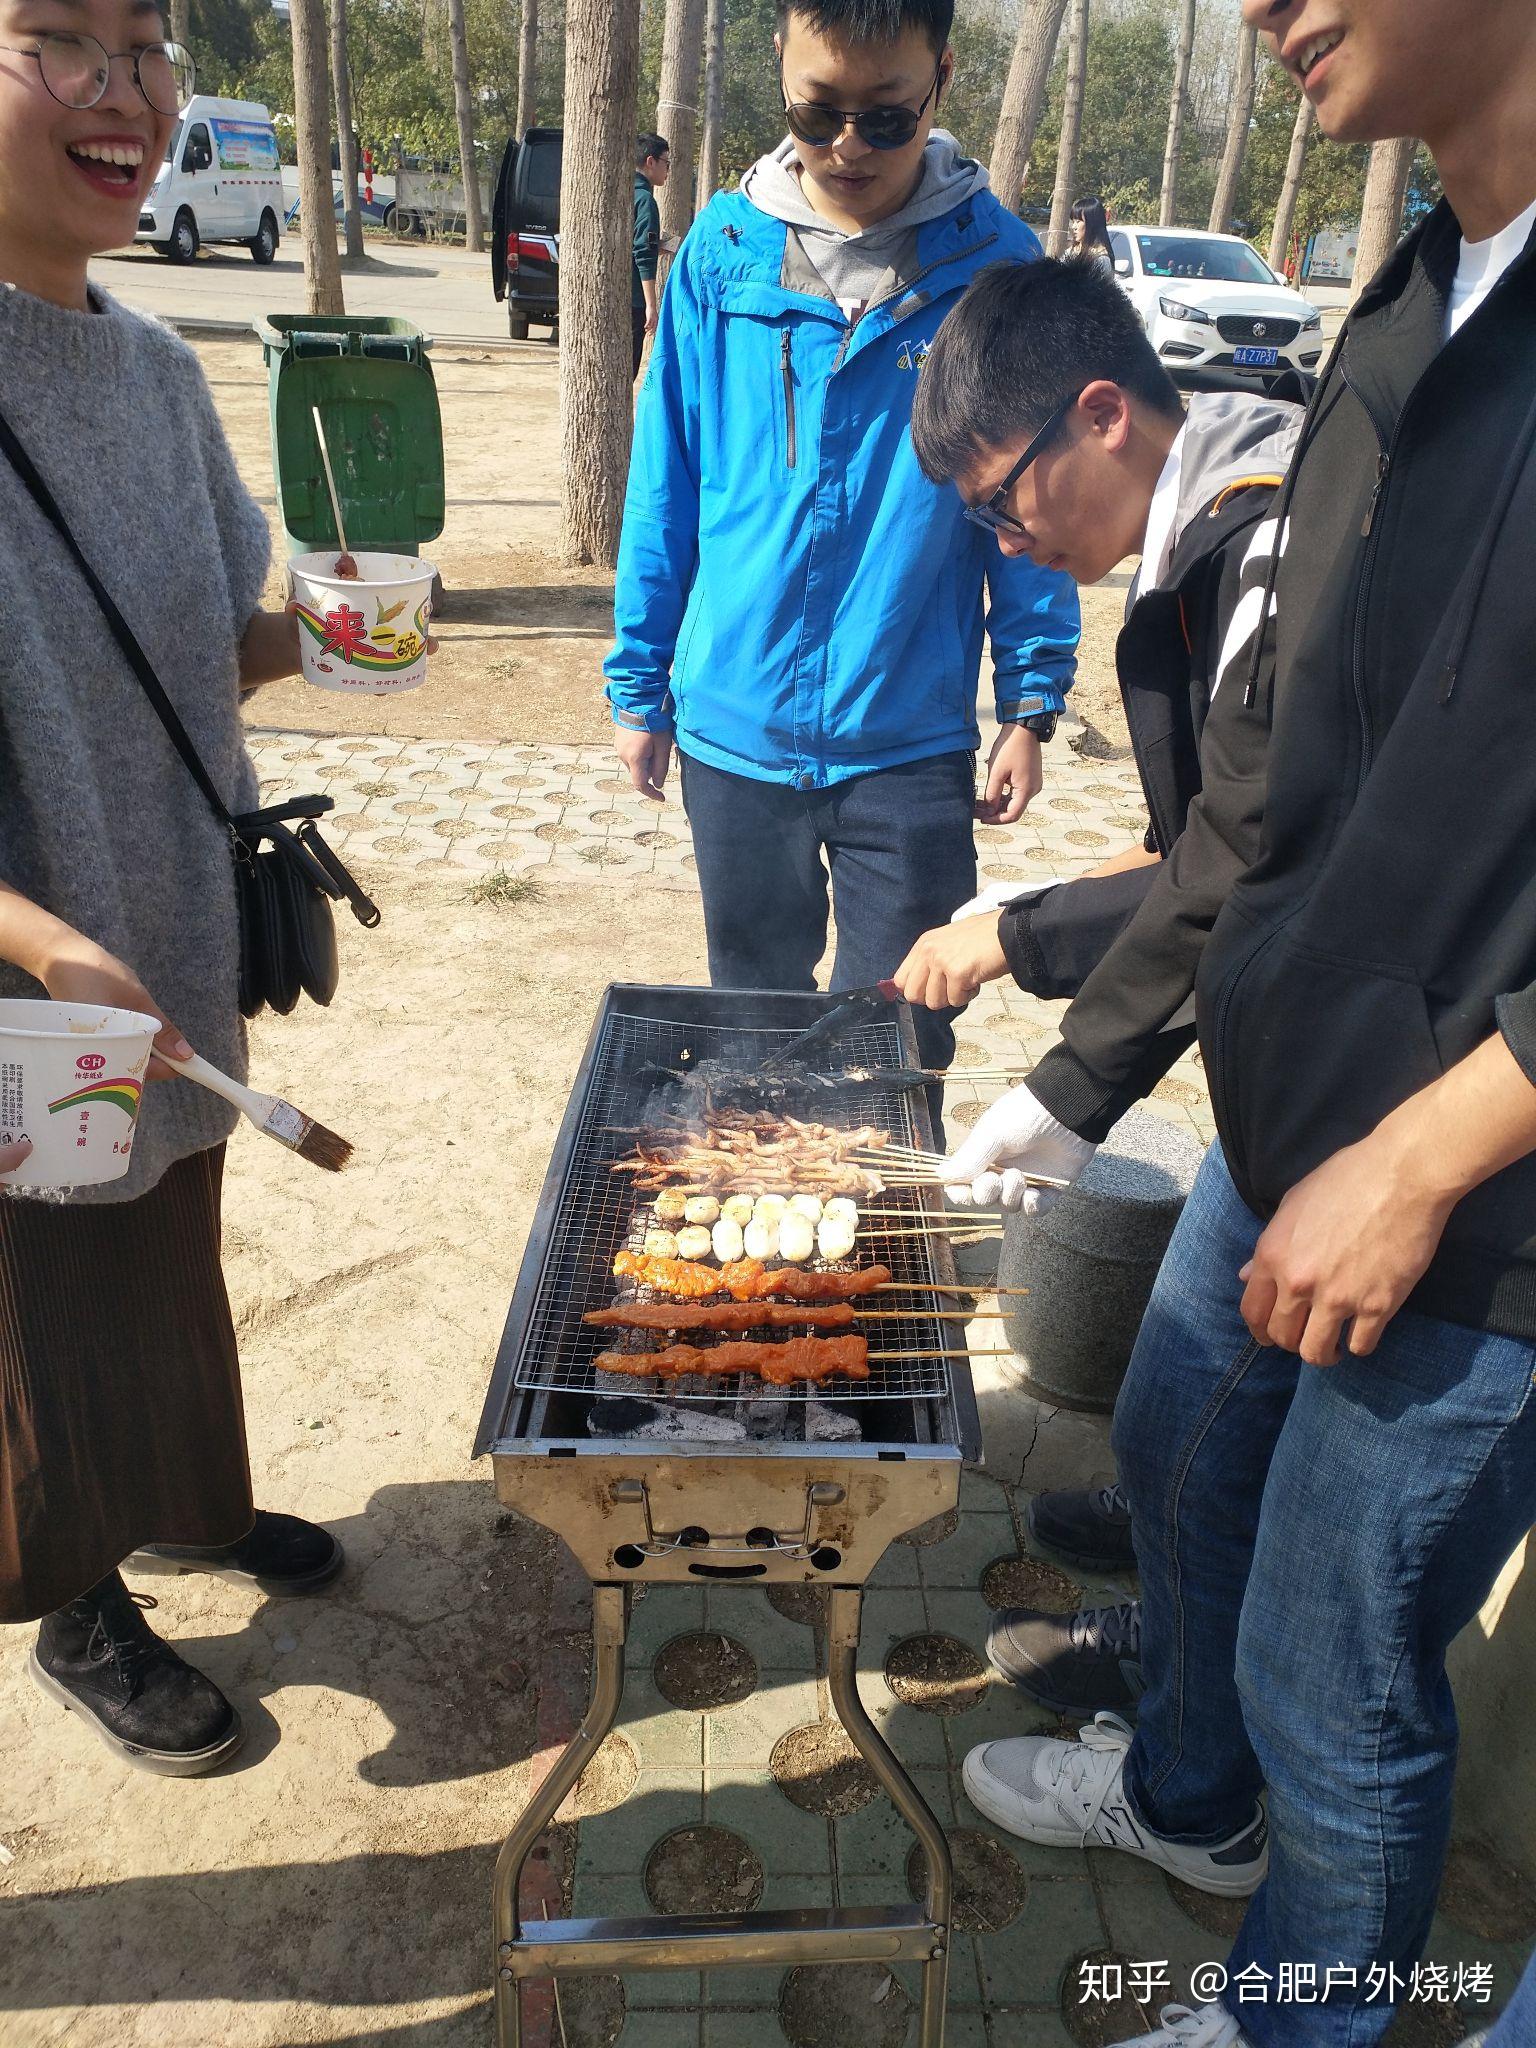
794,598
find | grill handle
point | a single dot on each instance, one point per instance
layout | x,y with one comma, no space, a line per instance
821,1493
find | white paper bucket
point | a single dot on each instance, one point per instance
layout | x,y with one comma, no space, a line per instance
70,1080
366,634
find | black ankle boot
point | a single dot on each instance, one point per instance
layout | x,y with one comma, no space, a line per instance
281,1554
100,1658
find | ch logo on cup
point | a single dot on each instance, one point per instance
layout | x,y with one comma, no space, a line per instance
91,1062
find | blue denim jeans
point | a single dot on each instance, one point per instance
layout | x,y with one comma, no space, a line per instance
1309,1542
900,844
1517,2027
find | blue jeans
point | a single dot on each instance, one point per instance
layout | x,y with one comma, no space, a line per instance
1517,2027
1309,1543
901,847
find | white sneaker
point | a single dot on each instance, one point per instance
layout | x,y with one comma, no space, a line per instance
1210,2027
1068,1795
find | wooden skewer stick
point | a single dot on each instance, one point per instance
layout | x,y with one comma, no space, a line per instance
930,1315
943,1287
905,1357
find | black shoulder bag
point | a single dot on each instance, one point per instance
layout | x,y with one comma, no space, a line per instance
284,888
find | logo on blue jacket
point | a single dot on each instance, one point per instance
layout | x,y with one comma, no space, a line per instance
913,355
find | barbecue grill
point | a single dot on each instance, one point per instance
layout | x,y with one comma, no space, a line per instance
785,1508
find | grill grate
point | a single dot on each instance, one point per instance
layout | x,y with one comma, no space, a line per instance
595,1218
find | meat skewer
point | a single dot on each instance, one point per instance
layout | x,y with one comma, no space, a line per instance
779,1365
764,1315
721,1315
745,1279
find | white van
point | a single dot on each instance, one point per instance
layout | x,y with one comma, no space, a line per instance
221,182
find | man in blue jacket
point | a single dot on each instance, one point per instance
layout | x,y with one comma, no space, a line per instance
796,604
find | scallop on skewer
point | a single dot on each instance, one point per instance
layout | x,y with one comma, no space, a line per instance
797,1238
727,1240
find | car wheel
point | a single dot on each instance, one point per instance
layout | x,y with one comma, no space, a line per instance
517,323
184,243
263,244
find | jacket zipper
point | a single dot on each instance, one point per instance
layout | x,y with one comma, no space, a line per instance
786,370
1386,449
908,284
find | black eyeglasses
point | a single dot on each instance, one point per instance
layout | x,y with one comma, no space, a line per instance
993,515
890,127
77,70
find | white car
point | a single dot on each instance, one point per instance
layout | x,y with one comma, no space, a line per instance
1211,302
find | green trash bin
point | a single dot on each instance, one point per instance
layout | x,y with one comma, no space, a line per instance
378,403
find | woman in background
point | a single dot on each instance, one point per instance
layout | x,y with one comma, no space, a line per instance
1090,232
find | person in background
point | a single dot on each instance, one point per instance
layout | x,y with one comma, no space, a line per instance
653,166
795,602
1089,232
122,1430
1327,1433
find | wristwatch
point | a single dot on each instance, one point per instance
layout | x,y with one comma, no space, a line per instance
1041,723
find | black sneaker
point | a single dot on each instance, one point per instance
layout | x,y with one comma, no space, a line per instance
1079,1663
100,1658
282,1554
1091,1529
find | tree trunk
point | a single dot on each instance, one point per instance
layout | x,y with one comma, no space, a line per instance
1239,120
1071,126
312,142
677,110
1034,52
180,22
1290,189
1381,210
602,67
714,105
1167,204
464,111
346,143
527,70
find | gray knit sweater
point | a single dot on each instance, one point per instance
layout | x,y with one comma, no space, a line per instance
99,820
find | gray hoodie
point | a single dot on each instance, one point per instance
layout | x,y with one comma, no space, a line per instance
858,270
1229,435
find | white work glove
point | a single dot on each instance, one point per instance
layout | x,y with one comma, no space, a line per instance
1015,1138
1002,896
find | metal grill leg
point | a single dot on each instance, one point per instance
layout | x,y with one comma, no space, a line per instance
609,1625
842,1675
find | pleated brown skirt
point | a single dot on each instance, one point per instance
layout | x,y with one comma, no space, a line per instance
121,1420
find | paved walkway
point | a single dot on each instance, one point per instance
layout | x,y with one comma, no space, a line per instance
565,811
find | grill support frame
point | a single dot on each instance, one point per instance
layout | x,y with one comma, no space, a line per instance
827,1935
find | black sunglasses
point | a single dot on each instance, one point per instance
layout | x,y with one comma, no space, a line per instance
993,515
890,127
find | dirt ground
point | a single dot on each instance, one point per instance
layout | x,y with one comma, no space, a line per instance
391,1721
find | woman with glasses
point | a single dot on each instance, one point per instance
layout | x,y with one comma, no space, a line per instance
795,602
122,1434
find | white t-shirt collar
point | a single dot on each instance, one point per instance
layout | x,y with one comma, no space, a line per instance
1157,546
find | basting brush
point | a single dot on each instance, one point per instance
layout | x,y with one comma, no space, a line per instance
273,1117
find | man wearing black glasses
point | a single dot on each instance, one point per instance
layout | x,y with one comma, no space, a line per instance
796,604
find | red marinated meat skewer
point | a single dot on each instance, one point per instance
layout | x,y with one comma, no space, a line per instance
779,1365
721,1315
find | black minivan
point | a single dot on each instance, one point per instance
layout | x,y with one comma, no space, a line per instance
525,232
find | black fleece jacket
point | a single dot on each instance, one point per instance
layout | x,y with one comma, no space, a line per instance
1388,926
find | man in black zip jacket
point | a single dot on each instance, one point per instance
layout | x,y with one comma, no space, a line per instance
1328,1431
